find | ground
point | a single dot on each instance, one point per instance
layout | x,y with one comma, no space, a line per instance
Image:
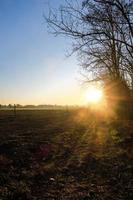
65,155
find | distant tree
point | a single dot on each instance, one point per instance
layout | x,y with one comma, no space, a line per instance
10,106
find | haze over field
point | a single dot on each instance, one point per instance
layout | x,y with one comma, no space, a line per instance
34,68
61,139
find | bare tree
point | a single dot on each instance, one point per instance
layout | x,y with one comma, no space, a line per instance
103,37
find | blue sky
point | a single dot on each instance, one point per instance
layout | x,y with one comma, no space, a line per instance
33,65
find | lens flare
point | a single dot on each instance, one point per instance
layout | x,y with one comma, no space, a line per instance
93,95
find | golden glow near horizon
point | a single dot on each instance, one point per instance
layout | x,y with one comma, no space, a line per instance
93,95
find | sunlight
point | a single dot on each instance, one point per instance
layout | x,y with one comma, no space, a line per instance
93,95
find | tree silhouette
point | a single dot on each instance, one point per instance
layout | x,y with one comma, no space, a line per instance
103,37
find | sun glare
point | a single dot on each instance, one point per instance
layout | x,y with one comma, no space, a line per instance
93,95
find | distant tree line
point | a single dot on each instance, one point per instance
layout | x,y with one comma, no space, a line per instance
47,106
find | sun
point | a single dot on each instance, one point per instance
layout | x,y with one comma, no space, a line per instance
93,95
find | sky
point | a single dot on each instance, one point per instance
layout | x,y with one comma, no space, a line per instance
34,68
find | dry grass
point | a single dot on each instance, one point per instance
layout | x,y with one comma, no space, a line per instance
65,155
